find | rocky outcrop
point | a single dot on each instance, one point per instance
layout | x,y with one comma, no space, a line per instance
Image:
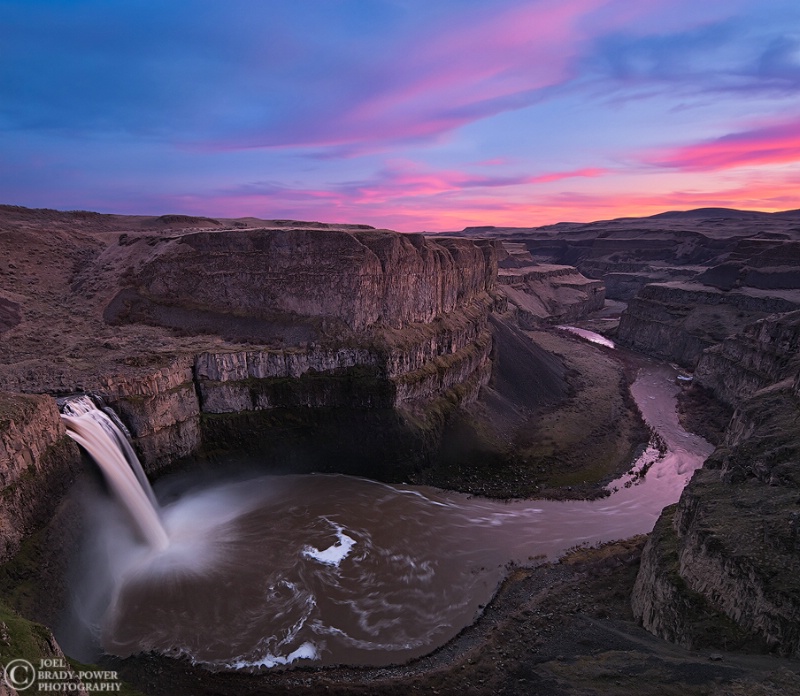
760,355
37,464
404,370
749,575
728,559
730,550
335,281
678,321
335,319
547,293
21,639
624,280
668,607
767,264
514,255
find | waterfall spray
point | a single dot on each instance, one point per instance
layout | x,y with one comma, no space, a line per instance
93,430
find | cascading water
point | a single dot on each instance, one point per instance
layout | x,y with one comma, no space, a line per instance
333,569
97,433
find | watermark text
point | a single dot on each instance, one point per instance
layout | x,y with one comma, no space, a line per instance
54,675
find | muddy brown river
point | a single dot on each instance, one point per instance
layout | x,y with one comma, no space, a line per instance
326,569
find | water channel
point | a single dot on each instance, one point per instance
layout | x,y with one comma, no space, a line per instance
329,569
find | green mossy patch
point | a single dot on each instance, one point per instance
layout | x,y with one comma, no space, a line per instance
16,408
22,639
20,577
346,387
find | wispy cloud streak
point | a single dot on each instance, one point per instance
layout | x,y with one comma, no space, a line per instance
406,113
768,145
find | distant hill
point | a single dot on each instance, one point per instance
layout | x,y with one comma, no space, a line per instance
724,213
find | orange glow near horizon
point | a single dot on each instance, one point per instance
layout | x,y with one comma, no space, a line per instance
408,115
411,200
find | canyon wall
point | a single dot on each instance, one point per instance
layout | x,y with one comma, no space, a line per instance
722,568
159,406
759,355
283,321
171,410
396,322
331,281
678,321
547,293
38,462
318,348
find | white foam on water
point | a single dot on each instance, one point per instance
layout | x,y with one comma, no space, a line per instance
362,644
307,651
335,554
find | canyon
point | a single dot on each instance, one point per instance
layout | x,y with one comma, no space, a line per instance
718,293
428,359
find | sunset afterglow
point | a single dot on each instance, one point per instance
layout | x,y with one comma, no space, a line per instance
403,114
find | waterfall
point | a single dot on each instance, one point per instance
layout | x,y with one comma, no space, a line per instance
100,436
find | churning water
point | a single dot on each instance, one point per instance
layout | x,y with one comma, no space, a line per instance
320,569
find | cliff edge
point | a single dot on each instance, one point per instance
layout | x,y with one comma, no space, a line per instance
721,568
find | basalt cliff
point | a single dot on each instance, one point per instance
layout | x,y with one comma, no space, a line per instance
688,280
721,567
266,339
314,347
717,292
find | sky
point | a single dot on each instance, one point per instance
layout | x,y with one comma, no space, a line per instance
414,115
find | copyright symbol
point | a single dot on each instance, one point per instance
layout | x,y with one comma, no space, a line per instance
19,674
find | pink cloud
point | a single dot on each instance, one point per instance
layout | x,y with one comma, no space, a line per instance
771,144
409,198
770,194
494,162
435,81
405,197
453,211
409,179
462,72
558,176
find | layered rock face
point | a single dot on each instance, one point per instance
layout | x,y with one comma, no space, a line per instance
355,279
722,567
678,321
333,319
758,263
710,297
160,408
757,250
37,464
169,411
295,338
550,293
760,355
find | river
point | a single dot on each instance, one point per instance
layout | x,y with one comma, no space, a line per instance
329,569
